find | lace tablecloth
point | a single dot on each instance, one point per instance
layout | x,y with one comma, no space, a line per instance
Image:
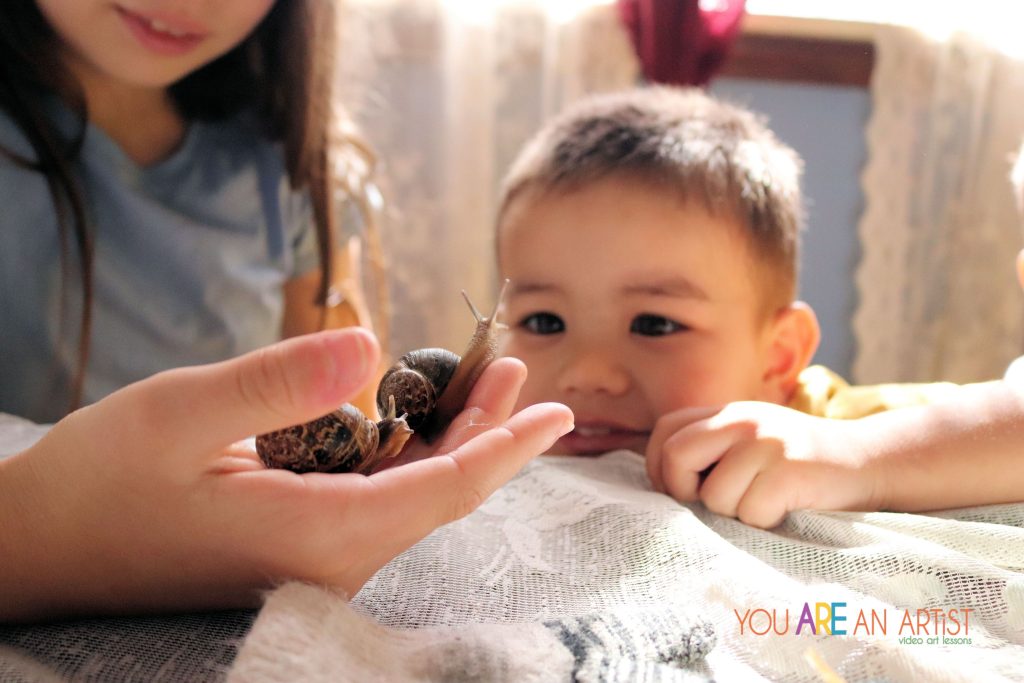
577,569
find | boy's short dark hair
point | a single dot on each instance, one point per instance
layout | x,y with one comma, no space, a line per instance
687,142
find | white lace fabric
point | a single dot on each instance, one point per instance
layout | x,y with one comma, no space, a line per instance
577,569
940,231
447,94
578,541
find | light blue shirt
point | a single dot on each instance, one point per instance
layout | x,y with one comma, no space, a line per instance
190,257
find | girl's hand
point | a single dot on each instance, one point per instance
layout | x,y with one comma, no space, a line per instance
153,499
757,461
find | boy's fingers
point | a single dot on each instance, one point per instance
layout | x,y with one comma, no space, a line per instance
664,429
731,478
764,504
411,501
206,407
688,453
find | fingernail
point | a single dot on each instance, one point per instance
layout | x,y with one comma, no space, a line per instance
568,425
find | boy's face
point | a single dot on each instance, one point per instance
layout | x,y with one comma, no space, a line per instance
627,304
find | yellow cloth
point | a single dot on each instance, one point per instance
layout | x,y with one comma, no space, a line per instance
823,393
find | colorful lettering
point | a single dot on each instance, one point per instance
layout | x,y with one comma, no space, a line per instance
741,619
836,617
805,617
822,620
907,622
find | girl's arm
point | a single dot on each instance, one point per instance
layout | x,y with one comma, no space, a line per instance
302,315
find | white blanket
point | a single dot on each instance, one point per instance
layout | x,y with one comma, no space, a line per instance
576,569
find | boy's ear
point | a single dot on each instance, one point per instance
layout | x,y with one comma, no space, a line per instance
794,338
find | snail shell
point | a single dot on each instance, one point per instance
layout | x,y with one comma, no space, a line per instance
431,385
343,440
423,391
334,442
416,381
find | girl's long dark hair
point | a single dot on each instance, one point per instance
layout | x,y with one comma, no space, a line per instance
283,72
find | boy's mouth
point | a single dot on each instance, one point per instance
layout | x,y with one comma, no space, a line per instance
163,35
594,438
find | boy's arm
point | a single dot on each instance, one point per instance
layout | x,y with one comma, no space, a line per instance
758,461
968,450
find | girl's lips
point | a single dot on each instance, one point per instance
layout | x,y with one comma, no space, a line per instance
593,439
169,36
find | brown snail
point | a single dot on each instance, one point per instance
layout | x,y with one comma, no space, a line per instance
422,393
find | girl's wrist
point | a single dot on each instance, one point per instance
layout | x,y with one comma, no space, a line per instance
39,537
19,501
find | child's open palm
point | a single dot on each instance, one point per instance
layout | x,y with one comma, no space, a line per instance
152,500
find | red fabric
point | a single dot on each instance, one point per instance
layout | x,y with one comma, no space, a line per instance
681,42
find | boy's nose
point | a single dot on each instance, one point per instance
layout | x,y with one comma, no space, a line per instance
594,372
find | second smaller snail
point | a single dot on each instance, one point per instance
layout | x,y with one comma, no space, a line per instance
343,440
422,393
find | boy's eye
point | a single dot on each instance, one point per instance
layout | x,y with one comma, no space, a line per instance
542,323
654,325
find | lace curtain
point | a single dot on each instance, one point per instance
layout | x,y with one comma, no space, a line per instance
938,294
446,92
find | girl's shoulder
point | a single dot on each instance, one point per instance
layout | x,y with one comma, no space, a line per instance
50,119
24,192
13,139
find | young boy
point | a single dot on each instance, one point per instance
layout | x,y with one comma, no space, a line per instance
950,446
652,242
652,238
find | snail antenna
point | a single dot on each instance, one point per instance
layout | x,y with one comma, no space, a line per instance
476,313
497,304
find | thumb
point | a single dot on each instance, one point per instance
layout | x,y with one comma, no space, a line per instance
209,406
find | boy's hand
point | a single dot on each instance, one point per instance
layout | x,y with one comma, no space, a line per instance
758,461
152,499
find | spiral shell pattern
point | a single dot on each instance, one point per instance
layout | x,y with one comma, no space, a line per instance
416,381
336,442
